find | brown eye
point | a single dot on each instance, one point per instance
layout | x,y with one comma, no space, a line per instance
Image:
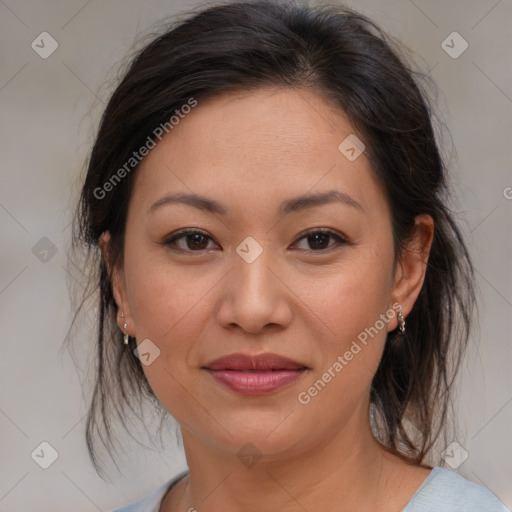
197,241
319,240
190,241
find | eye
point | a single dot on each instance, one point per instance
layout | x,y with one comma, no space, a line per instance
188,240
318,240
197,241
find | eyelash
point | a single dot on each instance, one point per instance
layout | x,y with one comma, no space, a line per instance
182,234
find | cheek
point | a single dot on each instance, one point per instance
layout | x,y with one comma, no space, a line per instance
163,298
169,308
352,348
351,296
350,308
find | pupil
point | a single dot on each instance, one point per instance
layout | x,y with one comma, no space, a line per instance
196,240
316,238
315,241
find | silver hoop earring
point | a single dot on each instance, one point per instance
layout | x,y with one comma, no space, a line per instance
401,322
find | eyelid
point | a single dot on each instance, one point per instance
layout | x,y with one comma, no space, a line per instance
182,234
327,231
341,239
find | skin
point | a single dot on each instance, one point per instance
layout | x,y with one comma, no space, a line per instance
250,151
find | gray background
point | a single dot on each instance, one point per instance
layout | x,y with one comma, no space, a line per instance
49,111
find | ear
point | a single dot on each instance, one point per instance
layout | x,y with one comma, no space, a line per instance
117,280
411,268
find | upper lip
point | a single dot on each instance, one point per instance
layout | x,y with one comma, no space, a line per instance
267,361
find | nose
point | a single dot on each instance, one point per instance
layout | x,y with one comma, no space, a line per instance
254,297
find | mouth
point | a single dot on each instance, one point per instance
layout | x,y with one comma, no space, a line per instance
255,375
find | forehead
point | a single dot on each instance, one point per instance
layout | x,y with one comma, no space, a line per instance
242,145
272,123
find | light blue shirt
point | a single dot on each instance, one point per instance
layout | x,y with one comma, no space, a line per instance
442,491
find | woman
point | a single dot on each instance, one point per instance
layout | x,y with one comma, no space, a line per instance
278,267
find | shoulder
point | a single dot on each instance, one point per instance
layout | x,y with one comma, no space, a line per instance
447,491
151,502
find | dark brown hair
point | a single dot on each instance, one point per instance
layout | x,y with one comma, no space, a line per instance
346,58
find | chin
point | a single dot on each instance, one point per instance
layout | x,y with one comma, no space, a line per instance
265,436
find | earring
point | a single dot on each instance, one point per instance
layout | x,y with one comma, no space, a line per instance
401,322
126,336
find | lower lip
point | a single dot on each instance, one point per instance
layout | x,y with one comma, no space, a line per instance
255,382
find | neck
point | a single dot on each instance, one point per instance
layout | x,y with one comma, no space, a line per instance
343,471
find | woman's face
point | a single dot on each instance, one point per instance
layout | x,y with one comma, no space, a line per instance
259,278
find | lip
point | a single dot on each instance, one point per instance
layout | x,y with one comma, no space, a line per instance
255,374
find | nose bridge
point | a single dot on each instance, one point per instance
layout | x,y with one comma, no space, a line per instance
253,277
256,296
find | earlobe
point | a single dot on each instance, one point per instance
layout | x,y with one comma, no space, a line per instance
412,267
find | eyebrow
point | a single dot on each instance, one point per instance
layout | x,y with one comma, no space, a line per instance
292,205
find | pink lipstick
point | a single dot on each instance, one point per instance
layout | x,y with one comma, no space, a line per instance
255,374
